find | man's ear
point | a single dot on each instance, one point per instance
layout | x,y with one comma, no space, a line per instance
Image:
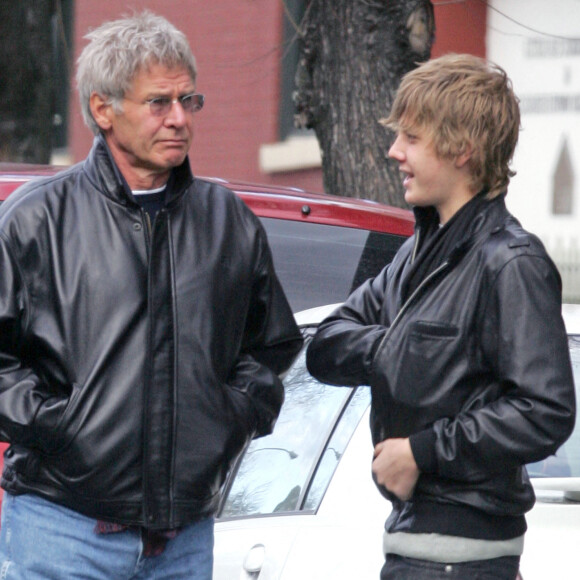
464,156
102,111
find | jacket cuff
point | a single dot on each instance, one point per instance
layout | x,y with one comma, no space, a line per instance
423,448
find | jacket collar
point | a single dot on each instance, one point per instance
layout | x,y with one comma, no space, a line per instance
490,218
105,175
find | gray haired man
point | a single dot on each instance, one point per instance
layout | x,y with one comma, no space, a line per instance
142,332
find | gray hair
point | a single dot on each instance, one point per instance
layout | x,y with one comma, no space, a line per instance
120,49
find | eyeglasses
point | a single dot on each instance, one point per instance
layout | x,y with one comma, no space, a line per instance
161,106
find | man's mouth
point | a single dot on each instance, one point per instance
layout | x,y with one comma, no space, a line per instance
175,142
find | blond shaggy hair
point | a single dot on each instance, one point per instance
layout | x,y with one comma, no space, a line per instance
463,103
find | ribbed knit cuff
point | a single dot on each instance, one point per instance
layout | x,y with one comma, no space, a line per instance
423,448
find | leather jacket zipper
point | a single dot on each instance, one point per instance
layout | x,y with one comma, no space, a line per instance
149,241
411,298
395,322
148,223
416,245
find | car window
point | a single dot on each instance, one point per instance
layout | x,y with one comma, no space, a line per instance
320,264
328,463
289,470
566,461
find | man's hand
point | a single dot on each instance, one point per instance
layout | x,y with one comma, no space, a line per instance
395,468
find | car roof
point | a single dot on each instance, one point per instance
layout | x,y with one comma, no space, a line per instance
571,313
313,316
270,201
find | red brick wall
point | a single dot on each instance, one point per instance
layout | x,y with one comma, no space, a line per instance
237,44
460,27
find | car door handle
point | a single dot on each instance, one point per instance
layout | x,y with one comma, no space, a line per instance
253,562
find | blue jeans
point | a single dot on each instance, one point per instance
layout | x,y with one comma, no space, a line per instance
40,540
401,568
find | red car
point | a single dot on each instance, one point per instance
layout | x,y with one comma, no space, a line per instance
324,246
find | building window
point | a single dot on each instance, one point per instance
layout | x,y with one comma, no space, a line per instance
61,29
296,149
563,183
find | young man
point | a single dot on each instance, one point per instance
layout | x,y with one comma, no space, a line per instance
142,331
460,338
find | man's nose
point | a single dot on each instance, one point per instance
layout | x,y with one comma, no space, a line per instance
177,114
395,151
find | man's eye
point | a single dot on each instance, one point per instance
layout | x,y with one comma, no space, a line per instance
160,102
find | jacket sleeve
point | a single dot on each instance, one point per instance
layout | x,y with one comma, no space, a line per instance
344,346
25,401
271,342
526,347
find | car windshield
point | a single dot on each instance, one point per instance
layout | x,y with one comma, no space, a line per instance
290,470
320,264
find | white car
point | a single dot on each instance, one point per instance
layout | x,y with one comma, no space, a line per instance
301,504
553,534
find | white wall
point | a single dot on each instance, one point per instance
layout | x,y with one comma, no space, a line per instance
538,44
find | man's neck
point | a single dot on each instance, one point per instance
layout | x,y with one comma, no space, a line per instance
143,179
454,204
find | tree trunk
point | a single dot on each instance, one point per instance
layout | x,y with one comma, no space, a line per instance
353,55
26,92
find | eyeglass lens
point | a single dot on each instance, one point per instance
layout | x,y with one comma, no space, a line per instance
191,104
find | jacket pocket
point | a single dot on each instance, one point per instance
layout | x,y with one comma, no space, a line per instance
424,329
52,424
242,410
417,364
206,465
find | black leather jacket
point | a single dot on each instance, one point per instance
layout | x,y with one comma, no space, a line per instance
136,360
474,367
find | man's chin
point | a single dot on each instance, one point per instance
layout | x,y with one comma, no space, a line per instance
169,161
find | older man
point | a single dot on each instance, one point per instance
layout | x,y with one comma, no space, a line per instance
142,331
